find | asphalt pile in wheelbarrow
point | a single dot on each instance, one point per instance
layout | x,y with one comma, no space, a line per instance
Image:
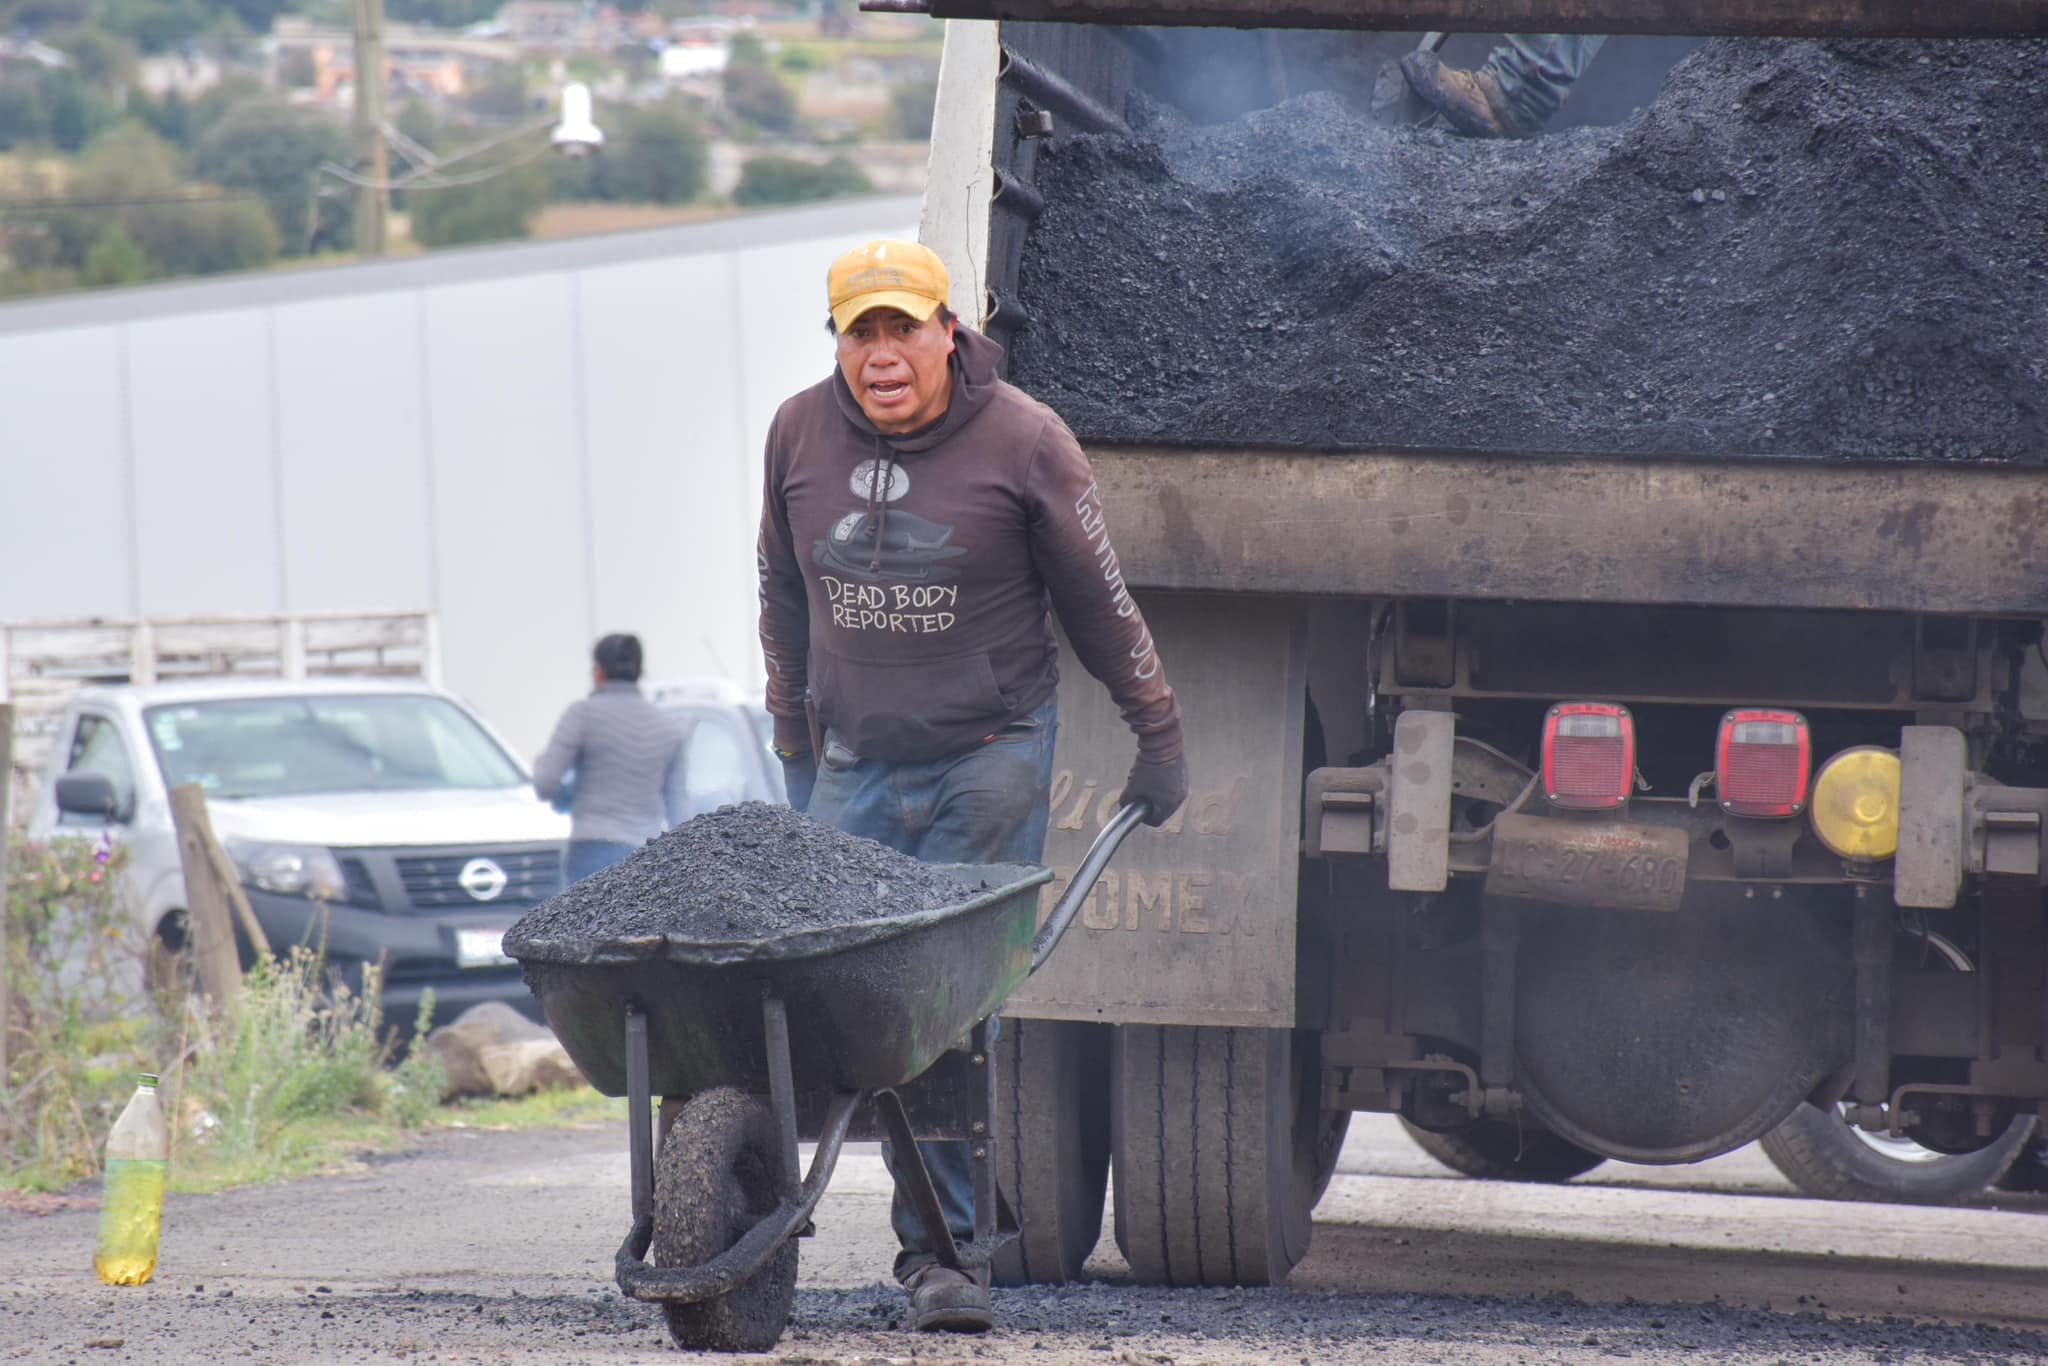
1800,248
748,871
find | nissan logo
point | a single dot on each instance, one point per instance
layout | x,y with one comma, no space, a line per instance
482,879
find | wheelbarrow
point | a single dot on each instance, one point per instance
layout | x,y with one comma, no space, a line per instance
879,1029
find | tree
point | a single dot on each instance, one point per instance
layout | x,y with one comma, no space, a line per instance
102,59
910,110
114,260
500,94
788,180
217,103
154,25
24,120
756,94
656,154
130,176
441,13
77,112
267,146
206,237
487,211
170,118
752,89
36,16
296,69
660,158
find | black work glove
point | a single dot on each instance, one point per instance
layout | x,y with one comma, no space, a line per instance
1163,786
799,776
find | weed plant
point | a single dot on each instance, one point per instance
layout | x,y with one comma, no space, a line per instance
253,1085
76,1029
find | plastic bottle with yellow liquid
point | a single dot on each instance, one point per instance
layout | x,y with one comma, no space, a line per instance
132,1199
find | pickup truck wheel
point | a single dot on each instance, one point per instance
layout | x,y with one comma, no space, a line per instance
1052,1145
1221,1150
1829,1158
1493,1150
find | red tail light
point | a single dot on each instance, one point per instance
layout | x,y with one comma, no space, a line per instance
1762,763
1589,755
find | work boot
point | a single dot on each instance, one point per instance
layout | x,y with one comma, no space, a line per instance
1470,101
943,1300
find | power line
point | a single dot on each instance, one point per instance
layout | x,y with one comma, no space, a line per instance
57,205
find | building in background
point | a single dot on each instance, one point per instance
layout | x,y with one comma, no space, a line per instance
539,443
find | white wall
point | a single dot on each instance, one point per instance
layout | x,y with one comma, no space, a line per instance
541,443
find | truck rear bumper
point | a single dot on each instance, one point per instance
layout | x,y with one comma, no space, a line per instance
1955,827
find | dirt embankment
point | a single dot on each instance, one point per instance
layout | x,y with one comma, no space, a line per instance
1802,248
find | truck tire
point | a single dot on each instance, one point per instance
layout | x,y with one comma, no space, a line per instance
1052,1145
1221,1151
1832,1160
1495,1150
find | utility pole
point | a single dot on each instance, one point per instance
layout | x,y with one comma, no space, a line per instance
373,201
6,834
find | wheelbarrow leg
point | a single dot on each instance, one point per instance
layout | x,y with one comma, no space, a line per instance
639,1136
980,1109
781,1081
914,1179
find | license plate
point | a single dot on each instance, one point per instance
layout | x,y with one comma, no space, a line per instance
480,948
1589,863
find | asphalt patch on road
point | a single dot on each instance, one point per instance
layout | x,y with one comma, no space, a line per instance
1143,1325
751,870
1801,248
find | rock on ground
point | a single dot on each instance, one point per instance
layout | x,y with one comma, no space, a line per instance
462,1044
530,1065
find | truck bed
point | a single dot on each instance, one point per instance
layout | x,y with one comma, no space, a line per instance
1813,519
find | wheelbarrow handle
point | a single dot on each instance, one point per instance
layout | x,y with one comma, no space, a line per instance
1097,858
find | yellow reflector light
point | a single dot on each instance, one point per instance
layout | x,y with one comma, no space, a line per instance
1856,803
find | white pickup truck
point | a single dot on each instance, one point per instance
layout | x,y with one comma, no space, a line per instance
383,819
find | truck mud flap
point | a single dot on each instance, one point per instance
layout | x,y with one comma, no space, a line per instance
1193,924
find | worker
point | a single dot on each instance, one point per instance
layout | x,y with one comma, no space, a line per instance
919,518
1515,93
627,758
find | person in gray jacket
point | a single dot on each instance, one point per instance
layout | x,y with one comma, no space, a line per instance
627,755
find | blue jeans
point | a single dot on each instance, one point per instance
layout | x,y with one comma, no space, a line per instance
1536,71
593,856
988,805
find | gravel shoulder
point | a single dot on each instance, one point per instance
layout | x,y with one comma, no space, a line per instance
481,1247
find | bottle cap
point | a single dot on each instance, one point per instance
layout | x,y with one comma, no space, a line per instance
149,1079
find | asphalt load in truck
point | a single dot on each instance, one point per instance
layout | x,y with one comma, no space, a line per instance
1800,248
748,871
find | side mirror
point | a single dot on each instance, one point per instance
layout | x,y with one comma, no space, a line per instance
88,794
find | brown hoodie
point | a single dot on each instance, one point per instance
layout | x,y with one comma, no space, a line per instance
905,580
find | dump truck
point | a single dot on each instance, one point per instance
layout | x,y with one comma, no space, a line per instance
1568,805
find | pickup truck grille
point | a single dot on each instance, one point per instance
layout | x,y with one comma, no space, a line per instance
362,888
429,880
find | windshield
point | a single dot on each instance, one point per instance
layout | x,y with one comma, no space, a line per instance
296,746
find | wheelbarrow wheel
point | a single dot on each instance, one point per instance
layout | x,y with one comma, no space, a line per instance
1052,1145
717,1176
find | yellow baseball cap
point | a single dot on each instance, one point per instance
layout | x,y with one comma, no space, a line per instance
887,273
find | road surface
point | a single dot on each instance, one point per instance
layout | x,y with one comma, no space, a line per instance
482,1247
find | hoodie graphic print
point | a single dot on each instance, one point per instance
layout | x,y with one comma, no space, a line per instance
907,582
